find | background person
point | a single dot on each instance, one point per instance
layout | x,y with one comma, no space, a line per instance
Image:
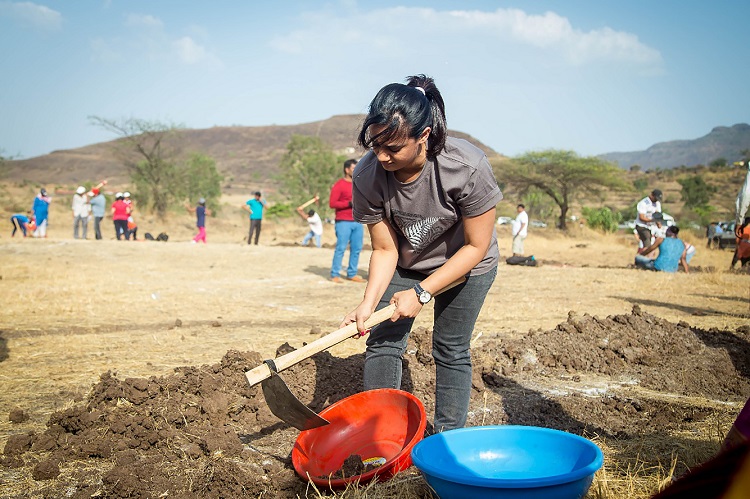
120,213
314,222
348,232
255,207
671,253
646,208
519,230
98,209
81,211
41,212
201,212
742,251
429,204
20,222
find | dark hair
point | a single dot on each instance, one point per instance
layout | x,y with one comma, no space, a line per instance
311,213
348,163
673,229
257,193
405,111
521,206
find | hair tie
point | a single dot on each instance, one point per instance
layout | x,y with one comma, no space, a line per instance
421,90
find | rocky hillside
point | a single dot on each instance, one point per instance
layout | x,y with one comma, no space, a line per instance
244,155
722,142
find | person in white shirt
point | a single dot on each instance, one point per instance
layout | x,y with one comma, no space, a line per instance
314,221
646,208
81,211
520,230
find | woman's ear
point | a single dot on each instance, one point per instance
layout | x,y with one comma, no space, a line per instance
425,135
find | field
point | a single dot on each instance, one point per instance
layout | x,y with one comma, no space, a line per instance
121,362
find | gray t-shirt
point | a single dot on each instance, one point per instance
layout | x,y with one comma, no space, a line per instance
427,213
98,203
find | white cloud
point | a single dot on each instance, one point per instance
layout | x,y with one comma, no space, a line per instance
143,21
188,51
32,14
150,39
501,30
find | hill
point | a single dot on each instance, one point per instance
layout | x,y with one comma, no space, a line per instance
721,142
244,155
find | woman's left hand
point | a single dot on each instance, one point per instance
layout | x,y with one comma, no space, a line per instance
407,304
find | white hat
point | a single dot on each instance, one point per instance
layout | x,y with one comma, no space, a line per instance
118,194
81,189
126,194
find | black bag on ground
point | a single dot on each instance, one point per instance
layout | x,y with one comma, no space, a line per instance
148,236
528,261
162,237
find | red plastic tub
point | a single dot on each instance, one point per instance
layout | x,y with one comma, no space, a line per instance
379,425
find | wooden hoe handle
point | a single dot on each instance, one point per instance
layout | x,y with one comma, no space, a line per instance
258,374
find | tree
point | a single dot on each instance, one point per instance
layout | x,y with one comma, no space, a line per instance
201,179
149,149
695,191
562,175
309,167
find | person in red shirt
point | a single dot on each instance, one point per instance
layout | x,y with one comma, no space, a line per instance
742,251
348,232
120,213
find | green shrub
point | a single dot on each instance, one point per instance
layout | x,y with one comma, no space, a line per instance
602,218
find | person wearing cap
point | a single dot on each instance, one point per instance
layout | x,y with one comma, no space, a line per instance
41,212
132,226
672,253
81,211
646,208
98,208
255,208
120,213
201,212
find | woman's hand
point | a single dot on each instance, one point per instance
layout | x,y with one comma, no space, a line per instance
359,315
407,305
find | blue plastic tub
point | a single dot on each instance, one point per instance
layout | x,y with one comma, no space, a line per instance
507,462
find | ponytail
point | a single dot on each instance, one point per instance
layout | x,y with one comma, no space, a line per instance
406,110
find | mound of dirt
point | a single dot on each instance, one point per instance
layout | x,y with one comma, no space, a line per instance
202,432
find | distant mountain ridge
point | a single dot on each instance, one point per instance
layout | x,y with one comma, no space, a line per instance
721,142
243,155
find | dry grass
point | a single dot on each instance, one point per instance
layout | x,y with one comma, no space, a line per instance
74,309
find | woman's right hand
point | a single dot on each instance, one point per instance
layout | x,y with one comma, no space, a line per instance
359,315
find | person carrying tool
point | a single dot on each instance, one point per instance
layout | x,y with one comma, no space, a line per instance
314,222
428,201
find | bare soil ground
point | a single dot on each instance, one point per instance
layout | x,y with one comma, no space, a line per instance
121,364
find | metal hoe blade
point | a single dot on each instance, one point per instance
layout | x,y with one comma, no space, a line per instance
288,408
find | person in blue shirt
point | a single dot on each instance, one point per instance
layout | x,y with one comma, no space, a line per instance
201,212
41,211
672,253
20,222
255,207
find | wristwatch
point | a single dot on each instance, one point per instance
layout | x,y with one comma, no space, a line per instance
422,295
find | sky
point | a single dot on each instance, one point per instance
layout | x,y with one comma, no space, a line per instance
592,76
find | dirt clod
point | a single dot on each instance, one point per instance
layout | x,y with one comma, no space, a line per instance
203,432
17,415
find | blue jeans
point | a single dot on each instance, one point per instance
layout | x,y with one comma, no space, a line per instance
644,262
347,234
311,235
456,312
